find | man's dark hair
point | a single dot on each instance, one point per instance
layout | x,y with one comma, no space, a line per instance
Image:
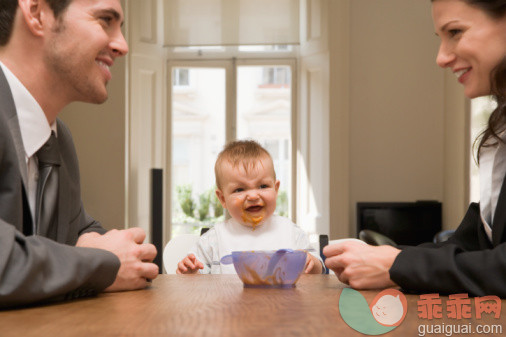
8,10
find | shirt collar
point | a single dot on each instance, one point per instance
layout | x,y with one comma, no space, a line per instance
35,130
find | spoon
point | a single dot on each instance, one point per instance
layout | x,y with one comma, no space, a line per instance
275,259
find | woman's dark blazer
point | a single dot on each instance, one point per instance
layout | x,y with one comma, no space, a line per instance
467,263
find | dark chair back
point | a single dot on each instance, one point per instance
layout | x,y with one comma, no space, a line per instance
375,239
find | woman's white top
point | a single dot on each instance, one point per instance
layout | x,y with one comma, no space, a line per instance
492,172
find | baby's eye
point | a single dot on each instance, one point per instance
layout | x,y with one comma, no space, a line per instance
264,186
237,190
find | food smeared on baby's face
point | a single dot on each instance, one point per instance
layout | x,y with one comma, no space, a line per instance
251,219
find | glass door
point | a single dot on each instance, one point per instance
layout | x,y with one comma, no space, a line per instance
198,135
218,101
264,109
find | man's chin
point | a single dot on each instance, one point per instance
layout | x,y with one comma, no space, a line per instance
97,98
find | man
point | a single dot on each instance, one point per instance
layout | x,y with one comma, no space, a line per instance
54,52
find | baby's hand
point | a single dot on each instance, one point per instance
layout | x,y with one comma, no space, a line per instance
189,265
313,265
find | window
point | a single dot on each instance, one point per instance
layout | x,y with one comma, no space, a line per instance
198,134
275,76
204,117
181,77
264,114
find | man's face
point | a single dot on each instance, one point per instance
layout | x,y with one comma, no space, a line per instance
82,44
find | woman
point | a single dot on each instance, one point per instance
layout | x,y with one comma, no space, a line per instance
473,261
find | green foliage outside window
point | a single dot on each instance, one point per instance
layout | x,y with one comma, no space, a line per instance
205,213
208,210
282,204
184,196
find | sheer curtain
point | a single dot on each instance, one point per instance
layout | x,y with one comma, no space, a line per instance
230,22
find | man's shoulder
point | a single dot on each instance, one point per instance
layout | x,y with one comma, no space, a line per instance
62,129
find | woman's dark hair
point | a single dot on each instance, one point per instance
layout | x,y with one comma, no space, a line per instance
497,120
8,13
494,8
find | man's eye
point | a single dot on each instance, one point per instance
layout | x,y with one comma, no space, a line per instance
106,19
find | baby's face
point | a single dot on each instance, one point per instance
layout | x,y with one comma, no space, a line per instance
248,195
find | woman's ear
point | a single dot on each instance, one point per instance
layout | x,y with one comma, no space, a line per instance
221,198
33,13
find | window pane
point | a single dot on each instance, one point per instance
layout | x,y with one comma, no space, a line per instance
481,108
198,135
264,114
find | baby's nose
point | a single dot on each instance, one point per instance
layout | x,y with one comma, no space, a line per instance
252,195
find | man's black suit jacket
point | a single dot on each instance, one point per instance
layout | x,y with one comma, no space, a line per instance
44,266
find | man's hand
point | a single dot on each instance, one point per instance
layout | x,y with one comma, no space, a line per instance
189,265
361,266
135,256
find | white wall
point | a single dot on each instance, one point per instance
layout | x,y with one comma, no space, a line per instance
396,92
406,135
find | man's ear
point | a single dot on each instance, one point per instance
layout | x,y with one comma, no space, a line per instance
34,13
221,198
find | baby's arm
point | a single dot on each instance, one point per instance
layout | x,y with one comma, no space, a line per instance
313,265
189,265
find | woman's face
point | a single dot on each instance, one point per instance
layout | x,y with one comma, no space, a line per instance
472,43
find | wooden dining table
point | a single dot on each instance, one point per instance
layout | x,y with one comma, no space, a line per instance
211,305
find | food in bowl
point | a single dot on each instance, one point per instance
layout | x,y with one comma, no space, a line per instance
274,268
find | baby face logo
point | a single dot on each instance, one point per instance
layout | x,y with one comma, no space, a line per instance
386,311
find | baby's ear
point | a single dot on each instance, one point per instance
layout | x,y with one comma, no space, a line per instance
276,185
221,198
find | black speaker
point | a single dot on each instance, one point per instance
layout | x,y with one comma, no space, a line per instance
157,214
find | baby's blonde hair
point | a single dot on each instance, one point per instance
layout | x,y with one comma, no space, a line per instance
245,152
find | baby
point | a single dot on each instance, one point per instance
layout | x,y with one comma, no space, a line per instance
247,188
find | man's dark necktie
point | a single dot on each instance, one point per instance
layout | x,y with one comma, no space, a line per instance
47,187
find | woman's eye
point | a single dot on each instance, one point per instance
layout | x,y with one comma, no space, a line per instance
454,32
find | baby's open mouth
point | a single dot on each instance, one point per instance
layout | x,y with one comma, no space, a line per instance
255,208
